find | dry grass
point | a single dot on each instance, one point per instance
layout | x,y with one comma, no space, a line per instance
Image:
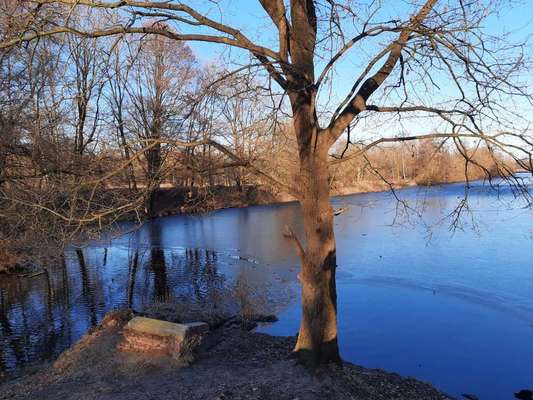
186,312
249,299
241,299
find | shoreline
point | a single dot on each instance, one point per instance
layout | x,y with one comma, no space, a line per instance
224,198
232,362
228,197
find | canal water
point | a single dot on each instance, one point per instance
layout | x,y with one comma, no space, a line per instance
422,292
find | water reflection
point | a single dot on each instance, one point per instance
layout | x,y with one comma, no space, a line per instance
41,316
87,289
159,269
132,273
407,291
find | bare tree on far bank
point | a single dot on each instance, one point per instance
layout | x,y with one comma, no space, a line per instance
160,87
434,60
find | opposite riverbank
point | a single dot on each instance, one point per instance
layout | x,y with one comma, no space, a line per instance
183,200
171,201
231,363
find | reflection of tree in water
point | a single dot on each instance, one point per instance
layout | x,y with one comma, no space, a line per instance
40,317
132,273
159,269
157,265
200,272
50,340
34,317
63,298
87,289
173,275
10,341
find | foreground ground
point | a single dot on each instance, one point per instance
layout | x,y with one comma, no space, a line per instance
232,363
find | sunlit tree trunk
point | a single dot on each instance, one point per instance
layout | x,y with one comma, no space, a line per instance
153,159
130,171
2,165
317,338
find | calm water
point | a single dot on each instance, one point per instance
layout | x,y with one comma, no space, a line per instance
451,307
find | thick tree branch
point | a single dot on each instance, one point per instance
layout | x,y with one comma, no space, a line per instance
124,30
369,33
276,10
358,103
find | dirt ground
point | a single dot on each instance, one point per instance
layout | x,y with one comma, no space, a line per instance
232,363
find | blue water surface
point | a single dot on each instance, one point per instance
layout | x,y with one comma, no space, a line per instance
423,291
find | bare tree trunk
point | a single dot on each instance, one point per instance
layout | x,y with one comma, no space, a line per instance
79,142
153,154
153,158
317,338
238,181
2,165
131,278
130,172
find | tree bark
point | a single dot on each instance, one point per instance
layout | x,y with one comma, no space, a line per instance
317,338
130,171
79,142
2,164
153,158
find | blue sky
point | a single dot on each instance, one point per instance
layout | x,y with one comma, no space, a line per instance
249,17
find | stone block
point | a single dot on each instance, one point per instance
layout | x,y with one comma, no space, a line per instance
155,336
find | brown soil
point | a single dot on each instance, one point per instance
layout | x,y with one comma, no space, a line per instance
231,364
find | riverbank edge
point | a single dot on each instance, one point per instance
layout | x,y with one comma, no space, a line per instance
231,197
170,203
255,196
231,363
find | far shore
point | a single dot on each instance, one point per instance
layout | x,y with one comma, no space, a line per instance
171,200
174,200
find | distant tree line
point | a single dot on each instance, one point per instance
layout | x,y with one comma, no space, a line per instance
103,104
93,129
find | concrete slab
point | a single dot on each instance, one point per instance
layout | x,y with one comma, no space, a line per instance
152,335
